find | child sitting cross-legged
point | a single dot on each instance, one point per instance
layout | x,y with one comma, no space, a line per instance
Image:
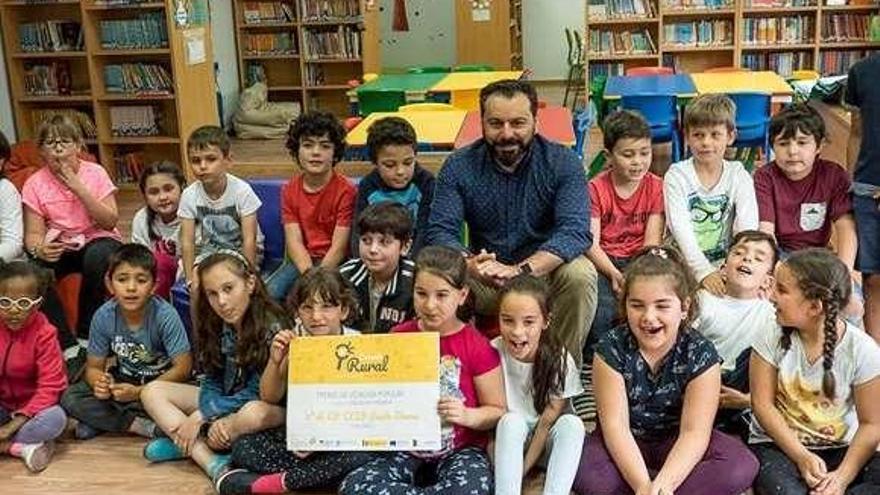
383,275
135,338
322,300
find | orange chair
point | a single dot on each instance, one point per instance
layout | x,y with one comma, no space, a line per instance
68,293
649,71
727,69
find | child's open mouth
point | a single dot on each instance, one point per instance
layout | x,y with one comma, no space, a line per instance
517,346
652,330
744,270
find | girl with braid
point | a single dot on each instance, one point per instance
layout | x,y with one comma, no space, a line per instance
814,383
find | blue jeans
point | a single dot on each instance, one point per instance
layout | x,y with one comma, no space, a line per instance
607,316
280,281
867,216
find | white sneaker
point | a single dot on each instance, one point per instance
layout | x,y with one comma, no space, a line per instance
36,456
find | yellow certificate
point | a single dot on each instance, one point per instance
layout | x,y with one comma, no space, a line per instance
364,392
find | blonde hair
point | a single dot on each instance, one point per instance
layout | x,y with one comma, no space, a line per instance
58,127
710,110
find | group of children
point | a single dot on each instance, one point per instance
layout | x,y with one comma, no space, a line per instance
712,342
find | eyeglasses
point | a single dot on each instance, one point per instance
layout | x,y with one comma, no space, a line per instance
22,303
64,143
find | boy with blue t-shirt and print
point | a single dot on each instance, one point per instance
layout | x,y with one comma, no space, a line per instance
135,338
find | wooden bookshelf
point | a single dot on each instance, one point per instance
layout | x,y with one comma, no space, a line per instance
190,104
807,52
294,72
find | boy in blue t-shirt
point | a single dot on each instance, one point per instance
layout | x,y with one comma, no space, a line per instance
134,338
392,145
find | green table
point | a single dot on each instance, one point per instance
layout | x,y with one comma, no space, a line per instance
416,86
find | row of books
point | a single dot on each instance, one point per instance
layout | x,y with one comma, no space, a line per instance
778,30
838,28
50,36
138,78
134,120
81,119
269,43
707,32
636,41
343,41
697,4
47,79
617,9
783,63
839,62
129,167
605,69
146,31
330,10
267,12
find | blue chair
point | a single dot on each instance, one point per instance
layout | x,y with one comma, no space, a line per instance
581,123
752,122
661,112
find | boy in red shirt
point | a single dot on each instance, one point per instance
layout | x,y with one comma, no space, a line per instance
626,206
316,205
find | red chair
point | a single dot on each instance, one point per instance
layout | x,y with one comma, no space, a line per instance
650,71
68,292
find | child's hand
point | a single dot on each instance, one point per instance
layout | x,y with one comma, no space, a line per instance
302,454
812,468
831,484
125,392
714,283
185,434
102,387
617,283
280,347
452,410
11,427
219,436
50,251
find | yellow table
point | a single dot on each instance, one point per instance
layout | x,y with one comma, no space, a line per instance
465,86
440,127
733,82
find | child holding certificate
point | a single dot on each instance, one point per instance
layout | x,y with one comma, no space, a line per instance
471,392
321,301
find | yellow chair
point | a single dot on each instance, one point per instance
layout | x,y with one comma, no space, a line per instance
426,107
370,76
805,74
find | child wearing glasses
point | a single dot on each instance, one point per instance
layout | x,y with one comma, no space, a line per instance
32,373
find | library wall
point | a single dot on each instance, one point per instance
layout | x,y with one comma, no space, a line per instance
7,124
430,39
544,47
224,54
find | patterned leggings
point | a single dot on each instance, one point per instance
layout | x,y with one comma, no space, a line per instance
266,452
462,472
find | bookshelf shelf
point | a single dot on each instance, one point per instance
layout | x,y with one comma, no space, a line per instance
26,55
132,6
328,87
331,23
135,97
779,47
143,140
697,12
19,3
285,88
686,49
843,8
825,45
132,53
618,56
56,99
624,20
261,25
332,60
778,10
269,56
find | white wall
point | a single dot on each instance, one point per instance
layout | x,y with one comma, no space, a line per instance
544,46
7,125
222,31
430,39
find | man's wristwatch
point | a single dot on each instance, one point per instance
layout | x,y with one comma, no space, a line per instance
525,268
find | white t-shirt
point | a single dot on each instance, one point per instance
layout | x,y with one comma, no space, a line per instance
168,233
732,325
518,382
218,221
703,221
818,421
11,226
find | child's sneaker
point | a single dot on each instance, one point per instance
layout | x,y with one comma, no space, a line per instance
162,450
36,456
235,482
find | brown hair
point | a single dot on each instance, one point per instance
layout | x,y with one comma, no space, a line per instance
59,126
757,236
821,276
661,261
710,110
208,135
450,265
548,373
324,283
252,350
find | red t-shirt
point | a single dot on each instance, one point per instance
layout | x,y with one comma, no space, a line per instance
318,213
624,220
464,356
803,210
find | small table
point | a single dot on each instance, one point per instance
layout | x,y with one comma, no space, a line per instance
680,85
465,86
416,86
554,123
739,82
436,128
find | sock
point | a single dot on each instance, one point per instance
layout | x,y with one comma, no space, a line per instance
270,483
15,449
143,427
161,450
217,465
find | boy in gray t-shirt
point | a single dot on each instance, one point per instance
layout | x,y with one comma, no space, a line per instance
134,338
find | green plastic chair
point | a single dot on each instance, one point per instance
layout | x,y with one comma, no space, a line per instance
380,100
473,68
429,69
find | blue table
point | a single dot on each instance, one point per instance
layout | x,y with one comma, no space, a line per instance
680,85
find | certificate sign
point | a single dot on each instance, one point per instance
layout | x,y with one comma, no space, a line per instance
364,392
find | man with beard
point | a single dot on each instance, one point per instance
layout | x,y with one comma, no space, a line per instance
524,200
